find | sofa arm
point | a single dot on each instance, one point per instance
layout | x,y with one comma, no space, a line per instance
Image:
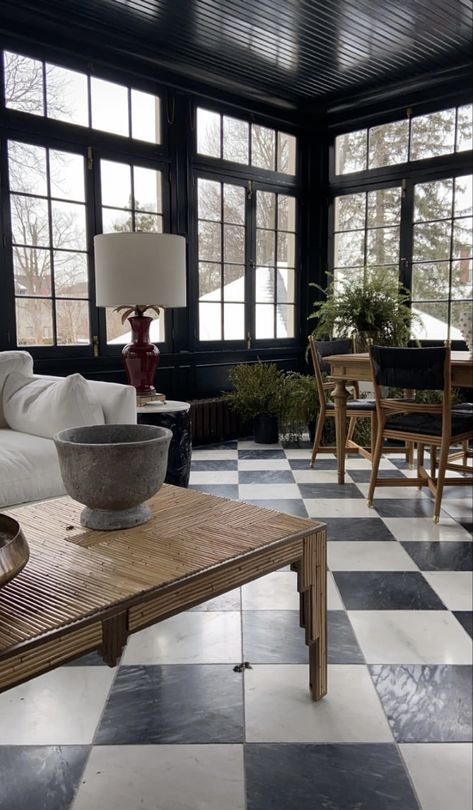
118,401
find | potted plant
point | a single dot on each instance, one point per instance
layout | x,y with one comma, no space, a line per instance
300,405
258,394
374,307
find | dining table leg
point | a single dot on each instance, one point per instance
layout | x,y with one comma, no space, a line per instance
340,396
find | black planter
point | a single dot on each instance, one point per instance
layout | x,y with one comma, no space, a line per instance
265,429
311,429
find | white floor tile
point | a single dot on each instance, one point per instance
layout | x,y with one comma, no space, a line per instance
303,452
61,707
277,591
453,587
189,638
252,445
214,455
316,476
425,529
411,637
163,777
265,464
392,492
360,463
338,507
214,477
369,555
459,508
441,773
334,600
279,707
268,491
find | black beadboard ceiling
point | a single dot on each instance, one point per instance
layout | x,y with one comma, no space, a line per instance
290,52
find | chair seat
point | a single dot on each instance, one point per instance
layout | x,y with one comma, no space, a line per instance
464,407
430,424
356,405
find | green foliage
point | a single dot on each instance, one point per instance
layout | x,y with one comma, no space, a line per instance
300,404
258,388
375,308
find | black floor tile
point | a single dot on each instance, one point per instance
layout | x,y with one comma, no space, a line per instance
201,703
231,444
426,703
357,529
93,659
40,777
217,466
326,777
261,454
386,590
224,490
320,464
265,477
330,491
404,507
292,506
438,556
467,524
363,476
465,617
227,601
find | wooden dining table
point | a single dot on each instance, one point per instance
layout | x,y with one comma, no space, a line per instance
356,367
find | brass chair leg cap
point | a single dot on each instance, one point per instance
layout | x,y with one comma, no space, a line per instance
370,504
436,519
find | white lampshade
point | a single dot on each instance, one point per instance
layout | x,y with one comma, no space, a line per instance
140,268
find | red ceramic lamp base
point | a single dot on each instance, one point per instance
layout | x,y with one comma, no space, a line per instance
140,357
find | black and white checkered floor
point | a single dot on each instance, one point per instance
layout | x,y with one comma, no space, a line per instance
174,727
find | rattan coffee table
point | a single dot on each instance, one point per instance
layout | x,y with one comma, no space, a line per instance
86,590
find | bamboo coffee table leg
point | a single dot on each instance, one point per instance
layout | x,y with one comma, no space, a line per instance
311,583
340,396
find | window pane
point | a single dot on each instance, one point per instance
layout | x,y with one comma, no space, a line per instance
210,327
23,83
285,285
30,221
264,278
286,153
433,200
350,152
145,116
462,238
70,274
463,195
286,213
285,321
349,249
432,135
384,207
265,209
119,334
264,321
67,175
210,239
350,212
109,106
208,133
72,323
27,168
235,140
388,144
382,246
348,275
67,95
286,250
116,220
234,321
433,321
209,199
265,247
210,280
464,128
115,180
234,243
148,222
462,278
147,184
432,241
430,280
32,271
69,226
234,282
263,147
34,322
234,204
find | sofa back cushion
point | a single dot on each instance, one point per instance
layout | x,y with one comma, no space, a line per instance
9,362
43,407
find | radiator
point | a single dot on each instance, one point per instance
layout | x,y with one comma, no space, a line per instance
214,421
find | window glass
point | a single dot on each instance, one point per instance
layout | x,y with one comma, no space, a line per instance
350,152
67,95
24,87
209,136
432,135
145,116
263,147
109,106
287,145
236,140
464,128
388,144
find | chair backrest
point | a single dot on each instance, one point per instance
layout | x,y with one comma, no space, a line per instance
324,348
421,369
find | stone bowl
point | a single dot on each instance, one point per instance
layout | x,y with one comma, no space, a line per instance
14,551
112,470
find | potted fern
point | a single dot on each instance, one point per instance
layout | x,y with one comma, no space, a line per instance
258,394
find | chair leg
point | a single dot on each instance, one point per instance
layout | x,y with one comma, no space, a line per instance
420,461
410,454
433,460
318,437
443,461
374,430
351,429
375,463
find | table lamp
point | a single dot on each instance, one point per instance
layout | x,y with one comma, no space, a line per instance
148,267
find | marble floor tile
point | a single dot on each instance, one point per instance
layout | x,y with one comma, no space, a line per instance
453,556
40,777
205,637
360,463
92,659
227,601
453,587
372,528
405,507
383,493
204,454
458,508
209,477
291,506
248,464
299,453
214,466
426,703
334,490
250,444
334,599
322,508
173,704
276,591
326,777
369,555
163,777
363,476
441,774
411,637
386,590
261,454
322,463
421,529
224,490
338,717
465,617
262,477
318,477
61,707
268,491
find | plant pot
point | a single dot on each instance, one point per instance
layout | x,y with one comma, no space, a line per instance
265,429
311,429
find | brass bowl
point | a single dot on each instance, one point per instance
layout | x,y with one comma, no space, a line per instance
14,551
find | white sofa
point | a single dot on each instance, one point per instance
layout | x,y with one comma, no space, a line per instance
29,468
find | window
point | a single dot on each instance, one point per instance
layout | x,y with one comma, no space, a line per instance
275,265
49,245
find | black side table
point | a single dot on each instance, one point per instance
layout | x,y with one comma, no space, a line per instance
175,416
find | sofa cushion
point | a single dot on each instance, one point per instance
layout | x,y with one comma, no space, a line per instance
29,468
42,407
9,362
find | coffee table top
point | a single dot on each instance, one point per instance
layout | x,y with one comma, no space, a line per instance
74,572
